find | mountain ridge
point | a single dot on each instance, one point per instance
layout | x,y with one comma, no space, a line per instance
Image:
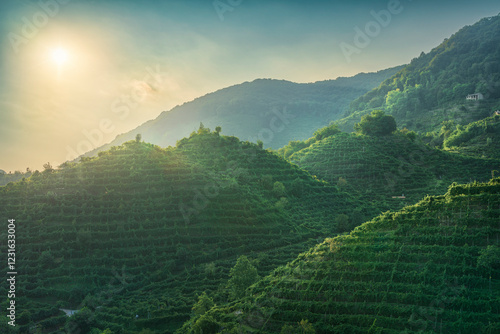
252,104
434,86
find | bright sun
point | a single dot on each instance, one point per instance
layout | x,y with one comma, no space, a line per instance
60,56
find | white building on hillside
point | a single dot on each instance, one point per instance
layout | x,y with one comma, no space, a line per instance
475,97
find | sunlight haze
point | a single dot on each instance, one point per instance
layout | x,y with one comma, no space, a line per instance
149,56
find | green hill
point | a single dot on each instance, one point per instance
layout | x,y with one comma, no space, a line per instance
430,268
12,177
275,111
129,238
382,167
433,87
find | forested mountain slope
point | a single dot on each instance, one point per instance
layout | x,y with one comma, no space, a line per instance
429,268
275,111
129,238
433,87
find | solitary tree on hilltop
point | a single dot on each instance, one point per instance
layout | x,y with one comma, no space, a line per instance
218,129
376,124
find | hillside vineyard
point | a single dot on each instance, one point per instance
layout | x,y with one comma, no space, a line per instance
429,268
385,220
142,230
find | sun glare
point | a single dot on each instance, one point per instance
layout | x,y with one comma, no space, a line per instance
60,56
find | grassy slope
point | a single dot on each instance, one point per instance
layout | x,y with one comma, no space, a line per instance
141,230
421,269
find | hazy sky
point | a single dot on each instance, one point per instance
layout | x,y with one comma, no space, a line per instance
75,71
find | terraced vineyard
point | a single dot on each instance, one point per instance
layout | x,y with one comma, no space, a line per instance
430,268
380,168
477,139
132,236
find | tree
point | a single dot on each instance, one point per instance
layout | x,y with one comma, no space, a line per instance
342,223
306,327
303,327
376,124
81,322
109,331
489,258
281,204
206,325
203,304
202,130
48,168
447,128
279,189
342,182
242,275
46,259
260,144
218,129
138,138
297,187
267,181
24,318
210,269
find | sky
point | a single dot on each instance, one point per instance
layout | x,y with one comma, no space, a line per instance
74,73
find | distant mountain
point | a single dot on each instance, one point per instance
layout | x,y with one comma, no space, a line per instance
434,87
274,111
430,268
141,230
